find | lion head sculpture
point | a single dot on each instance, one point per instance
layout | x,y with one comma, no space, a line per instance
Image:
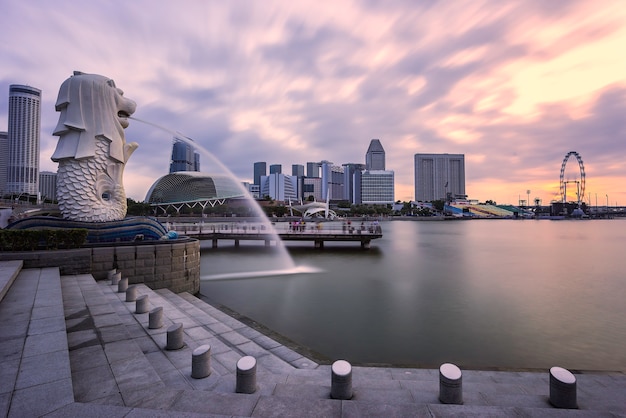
91,106
92,149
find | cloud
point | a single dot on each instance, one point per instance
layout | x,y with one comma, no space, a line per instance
513,85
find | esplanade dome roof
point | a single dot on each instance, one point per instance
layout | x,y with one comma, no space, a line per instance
192,186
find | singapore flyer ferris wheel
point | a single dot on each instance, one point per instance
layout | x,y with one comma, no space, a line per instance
579,181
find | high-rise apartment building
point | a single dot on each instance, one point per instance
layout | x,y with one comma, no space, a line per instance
260,170
4,161
184,157
439,177
23,135
375,156
48,185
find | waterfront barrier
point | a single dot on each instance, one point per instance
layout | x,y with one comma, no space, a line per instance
341,380
562,388
141,304
115,278
122,285
450,384
155,318
175,337
246,375
131,294
201,362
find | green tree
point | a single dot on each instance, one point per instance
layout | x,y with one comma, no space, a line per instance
438,204
137,208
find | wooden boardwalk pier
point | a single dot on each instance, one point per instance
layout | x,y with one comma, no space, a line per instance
317,232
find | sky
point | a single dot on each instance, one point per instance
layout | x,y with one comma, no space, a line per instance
513,85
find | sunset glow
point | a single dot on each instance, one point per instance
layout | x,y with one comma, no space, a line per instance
513,85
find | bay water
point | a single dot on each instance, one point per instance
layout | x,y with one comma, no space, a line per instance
489,294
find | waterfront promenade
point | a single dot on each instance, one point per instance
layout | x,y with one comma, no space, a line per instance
73,347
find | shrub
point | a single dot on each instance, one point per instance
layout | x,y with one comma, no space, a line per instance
48,239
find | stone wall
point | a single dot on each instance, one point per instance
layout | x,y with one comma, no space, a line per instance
159,264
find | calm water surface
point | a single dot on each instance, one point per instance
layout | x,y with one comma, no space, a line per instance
481,293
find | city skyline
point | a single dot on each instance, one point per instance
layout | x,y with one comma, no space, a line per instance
514,86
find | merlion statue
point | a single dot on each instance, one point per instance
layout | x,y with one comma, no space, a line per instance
92,150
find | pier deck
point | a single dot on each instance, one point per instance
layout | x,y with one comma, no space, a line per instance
317,232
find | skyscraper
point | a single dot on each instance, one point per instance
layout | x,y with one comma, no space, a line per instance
276,169
439,177
351,192
332,181
4,161
23,134
297,170
48,185
184,157
260,170
279,187
377,187
375,156
312,169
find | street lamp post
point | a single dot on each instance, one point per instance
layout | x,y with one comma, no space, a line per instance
607,205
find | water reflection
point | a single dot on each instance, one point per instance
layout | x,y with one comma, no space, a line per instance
511,294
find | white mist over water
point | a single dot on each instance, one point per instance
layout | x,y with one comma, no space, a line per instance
265,273
278,261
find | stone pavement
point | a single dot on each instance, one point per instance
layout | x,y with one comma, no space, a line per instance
71,346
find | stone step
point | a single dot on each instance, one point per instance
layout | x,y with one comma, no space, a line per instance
106,360
285,353
200,327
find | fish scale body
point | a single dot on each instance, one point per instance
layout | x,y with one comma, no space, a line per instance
81,184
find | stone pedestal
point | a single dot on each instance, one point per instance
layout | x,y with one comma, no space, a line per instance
155,318
141,305
201,362
341,380
450,384
562,388
175,337
122,285
246,375
131,294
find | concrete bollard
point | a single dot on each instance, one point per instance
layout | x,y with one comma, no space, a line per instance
115,278
341,380
450,384
131,294
246,375
562,388
110,275
201,362
155,318
122,285
175,337
141,304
